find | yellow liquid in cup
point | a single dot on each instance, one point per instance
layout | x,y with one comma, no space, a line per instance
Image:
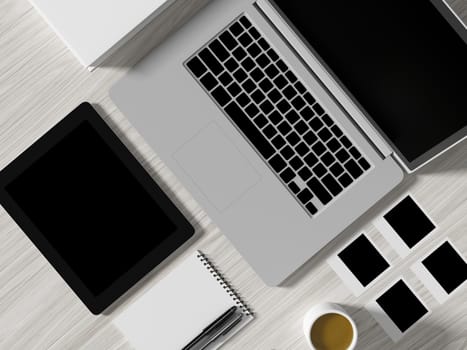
331,332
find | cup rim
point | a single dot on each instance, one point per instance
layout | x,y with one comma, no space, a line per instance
331,309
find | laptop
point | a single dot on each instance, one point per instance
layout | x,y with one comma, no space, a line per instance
288,119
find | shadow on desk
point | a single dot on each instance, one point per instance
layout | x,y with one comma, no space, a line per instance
452,161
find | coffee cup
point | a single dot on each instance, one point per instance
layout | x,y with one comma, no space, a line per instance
328,326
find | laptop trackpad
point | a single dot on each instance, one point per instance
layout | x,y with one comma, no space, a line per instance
217,167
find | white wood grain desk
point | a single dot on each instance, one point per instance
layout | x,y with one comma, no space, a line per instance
40,82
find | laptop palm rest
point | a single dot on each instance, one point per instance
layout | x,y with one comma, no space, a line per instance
211,160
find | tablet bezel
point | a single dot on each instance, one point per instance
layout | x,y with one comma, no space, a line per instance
184,230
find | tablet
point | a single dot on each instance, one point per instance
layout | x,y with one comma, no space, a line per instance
91,208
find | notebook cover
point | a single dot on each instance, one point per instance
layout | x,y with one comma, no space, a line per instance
179,307
90,29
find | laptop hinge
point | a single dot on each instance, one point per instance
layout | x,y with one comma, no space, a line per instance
318,69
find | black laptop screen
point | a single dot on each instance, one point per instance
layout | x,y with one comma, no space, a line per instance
401,60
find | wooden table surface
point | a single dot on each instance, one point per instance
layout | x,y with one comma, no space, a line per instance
40,82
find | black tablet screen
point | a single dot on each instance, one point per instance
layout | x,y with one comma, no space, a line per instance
90,208
401,60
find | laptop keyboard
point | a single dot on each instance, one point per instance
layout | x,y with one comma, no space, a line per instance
278,115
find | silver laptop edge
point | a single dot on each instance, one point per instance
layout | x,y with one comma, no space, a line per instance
265,223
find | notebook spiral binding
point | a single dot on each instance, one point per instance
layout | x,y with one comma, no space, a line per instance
228,288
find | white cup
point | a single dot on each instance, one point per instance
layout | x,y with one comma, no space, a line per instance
323,309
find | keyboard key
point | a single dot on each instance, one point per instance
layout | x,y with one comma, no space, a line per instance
327,158
333,145
275,117
294,187
254,50
239,53
327,120
310,137
307,113
225,78
311,208
197,67
263,60
316,124
257,74
274,95
311,160
231,64
228,40
271,71
354,152
293,138
318,189
292,78
278,141
283,106
305,196
352,167
324,134
258,96
300,88
346,142
296,163
245,39
252,110
305,173
273,55
269,131
287,152
240,75
234,89
337,131
254,33
309,98
289,92
332,185
292,117
318,109
266,107
298,103
336,169
245,22
261,121
266,85
342,155
277,163
248,85
284,128
236,29
364,164
243,100
211,61
282,66
208,81
248,64
263,43
280,81
301,127
302,148
319,170
287,175
221,96
249,129
345,180
318,148
219,50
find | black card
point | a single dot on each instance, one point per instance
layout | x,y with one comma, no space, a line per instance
447,267
409,222
402,306
363,259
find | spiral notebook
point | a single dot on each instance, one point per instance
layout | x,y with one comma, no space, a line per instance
180,306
